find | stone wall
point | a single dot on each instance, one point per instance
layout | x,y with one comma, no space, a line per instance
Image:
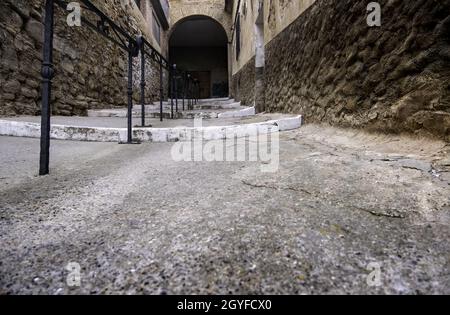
90,71
331,67
279,14
243,84
215,9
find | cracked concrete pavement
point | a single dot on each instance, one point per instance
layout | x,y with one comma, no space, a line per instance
138,222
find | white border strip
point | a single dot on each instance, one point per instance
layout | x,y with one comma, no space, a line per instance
251,111
99,134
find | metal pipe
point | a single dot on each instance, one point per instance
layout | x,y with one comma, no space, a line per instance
192,93
176,94
47,74
130,94
175,83
187,91
233,27
184,88
140,43
161,92
196,91
171,92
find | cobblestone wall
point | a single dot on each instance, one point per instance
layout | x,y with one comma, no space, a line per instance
331,67
90,71
243,84
180,9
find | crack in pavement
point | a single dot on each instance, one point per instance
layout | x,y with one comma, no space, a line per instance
380,214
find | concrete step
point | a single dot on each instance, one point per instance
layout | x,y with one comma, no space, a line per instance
217,101
97,129
199,106
167,114
212,102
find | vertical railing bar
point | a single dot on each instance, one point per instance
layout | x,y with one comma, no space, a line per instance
130,94
176,93
184,87
171,92
161,91
142,48
47,73
188,91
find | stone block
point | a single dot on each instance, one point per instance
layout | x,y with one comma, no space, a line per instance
35,30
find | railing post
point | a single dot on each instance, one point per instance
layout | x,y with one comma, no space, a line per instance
161,91
171,91
192,91
141,47
131,53
197,91
47,73
184,87
175,84
188,91
194,94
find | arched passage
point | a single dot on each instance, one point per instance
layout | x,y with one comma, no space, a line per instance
199,44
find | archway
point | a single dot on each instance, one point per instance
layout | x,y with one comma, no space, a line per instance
199,44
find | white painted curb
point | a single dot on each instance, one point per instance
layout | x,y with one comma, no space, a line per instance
98,134
152,112
239,113
217,105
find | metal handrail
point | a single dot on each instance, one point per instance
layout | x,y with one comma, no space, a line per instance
117,35
148,50
104,25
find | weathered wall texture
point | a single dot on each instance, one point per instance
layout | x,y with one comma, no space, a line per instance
243,84
247,17
180,9
331,67
90,70
278,14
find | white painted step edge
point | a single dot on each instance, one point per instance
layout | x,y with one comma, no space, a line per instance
199,105
99,134
122,113
251,111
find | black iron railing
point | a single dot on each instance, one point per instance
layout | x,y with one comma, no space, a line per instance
147,51
133,45
185,85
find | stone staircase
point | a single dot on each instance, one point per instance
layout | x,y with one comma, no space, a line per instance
217,103
205,108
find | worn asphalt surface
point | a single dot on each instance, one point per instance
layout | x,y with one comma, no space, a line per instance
138,222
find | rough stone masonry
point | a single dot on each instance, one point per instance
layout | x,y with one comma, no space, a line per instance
90,71
327,65
331,67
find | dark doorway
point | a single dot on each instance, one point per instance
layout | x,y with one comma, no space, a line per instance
205,82
199,44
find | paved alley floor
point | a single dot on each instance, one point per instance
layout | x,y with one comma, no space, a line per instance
347,212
